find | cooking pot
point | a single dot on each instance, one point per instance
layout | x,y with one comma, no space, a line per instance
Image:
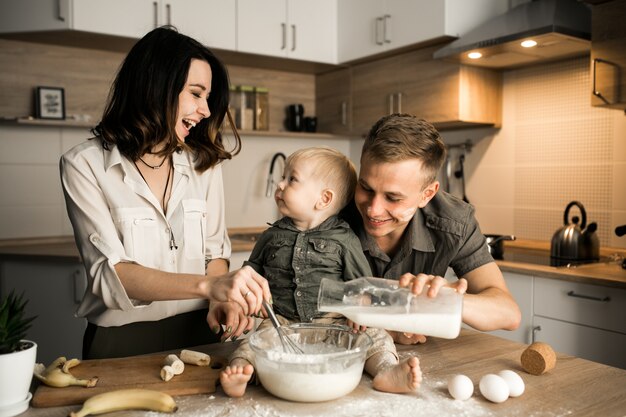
574,242
495,244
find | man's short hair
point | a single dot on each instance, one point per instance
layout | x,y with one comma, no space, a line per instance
399,137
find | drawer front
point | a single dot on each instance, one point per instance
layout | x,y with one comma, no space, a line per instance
590,305
584,342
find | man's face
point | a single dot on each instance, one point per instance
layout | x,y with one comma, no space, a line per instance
388,194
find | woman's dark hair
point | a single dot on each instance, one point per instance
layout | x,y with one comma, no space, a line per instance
142,105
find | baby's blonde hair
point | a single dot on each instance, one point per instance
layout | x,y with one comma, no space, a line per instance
332,168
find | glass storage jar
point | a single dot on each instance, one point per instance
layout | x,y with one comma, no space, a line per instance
261,108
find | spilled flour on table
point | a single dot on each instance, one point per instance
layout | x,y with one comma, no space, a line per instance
432,399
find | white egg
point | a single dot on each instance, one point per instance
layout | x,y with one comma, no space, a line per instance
514,381
460,387
494,388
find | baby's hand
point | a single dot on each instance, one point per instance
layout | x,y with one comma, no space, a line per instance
407,338
356,327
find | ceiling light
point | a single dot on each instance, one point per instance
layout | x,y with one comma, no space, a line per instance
474,55
529,43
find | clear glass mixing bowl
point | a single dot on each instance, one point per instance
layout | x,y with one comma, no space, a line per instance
330,367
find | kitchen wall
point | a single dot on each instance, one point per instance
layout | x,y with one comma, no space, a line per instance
553,147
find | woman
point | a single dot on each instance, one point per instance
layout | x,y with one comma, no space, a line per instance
145,198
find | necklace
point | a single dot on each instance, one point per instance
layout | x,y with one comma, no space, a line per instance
173,244
153,166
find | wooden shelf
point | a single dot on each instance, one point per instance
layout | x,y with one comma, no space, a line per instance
31,121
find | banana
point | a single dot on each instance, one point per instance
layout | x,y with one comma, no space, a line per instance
57,374
127,399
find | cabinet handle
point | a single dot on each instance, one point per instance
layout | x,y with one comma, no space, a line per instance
399,102
593,76
155,7
168,13
589,297
385,26
80,286
379,21
344,113
293,37
391,103
284,28
61,11
535,330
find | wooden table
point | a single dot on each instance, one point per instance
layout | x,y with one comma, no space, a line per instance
576,387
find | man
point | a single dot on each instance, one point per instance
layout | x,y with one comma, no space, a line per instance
411,230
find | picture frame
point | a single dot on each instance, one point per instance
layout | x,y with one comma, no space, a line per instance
50,103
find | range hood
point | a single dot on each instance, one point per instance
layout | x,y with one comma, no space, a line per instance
560,28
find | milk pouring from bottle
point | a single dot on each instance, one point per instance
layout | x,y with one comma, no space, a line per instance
381,303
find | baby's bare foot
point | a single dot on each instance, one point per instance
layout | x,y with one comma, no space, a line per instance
403,377
234,379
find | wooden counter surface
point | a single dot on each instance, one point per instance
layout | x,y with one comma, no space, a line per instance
575,387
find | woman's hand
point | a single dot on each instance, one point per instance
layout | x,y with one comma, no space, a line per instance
417,284
229,314
244,286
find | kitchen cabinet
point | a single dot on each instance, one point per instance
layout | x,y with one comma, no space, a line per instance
608,54
370,27
210,21
53,289
521,288
449,95
298,29
333,95
588,321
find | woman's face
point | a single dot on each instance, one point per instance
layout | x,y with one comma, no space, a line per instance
192,100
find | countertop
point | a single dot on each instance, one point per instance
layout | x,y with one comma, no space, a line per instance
243,239
575,387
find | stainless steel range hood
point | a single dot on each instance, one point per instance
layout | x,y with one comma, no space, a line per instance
561,28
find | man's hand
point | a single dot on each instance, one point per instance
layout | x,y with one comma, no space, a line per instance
432,284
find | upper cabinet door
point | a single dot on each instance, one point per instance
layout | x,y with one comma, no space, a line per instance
312,31
369,27
360,28
262,27
131,19
211,22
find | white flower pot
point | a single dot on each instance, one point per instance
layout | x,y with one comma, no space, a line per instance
15,378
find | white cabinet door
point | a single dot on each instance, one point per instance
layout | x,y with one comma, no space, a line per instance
211,22
521,287
262,27
53,290
131,19
360,27
369,27
312,31
34,15
585,342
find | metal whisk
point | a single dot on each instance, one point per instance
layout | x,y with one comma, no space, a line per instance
289,346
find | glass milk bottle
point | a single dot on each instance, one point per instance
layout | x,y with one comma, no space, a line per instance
381,303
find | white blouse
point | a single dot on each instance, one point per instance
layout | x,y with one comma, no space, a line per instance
117,218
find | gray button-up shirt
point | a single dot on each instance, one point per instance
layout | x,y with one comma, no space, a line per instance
294,263
444,233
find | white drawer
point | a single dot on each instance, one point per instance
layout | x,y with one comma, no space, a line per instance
590,305
582,341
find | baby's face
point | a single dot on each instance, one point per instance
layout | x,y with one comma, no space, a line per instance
298,191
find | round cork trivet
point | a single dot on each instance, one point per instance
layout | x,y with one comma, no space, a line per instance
538,358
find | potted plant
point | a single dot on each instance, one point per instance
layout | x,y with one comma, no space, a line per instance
17,355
